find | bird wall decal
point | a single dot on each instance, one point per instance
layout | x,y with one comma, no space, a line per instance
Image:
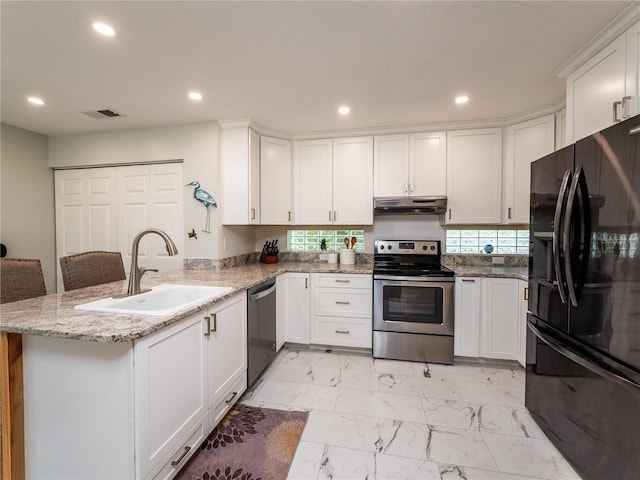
206,199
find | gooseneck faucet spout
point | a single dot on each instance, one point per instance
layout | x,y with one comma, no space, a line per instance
135,275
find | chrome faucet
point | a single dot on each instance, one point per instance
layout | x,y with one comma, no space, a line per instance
135,275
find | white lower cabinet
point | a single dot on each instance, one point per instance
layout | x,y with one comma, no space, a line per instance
487,318
297,313
141,409
523,296
342,310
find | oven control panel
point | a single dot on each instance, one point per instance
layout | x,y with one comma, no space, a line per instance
407,247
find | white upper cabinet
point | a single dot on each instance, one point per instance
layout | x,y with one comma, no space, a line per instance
275,181
353,181
604,90
525,143
312,169
474,176
240,176
333,181
410,165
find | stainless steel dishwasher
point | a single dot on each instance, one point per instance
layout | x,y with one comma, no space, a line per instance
261,338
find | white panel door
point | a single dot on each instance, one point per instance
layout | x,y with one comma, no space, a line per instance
312,167
500,318
353,181
428,164
391,166
525,143
86,216
593,89
150,196
275,181
467,317
474,176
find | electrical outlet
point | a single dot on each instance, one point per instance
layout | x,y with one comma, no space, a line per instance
225,244
497,260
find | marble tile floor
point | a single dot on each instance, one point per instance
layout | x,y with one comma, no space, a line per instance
384,419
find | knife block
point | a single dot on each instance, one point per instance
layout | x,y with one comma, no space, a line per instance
264,258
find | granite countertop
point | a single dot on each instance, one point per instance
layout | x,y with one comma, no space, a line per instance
520,273
54,315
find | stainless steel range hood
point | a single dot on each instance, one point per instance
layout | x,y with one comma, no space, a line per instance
410,205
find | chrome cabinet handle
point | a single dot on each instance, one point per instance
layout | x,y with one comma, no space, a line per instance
625,114
289,215
230,399
338,302
184,454
470,280
334,215
329,215
207,332
253,214
615,111
526,293
215,323
342,331
342,281
509,213
306,283
449,214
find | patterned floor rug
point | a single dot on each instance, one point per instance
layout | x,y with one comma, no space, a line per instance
250,443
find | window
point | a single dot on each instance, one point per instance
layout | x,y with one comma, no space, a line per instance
309,240
488,240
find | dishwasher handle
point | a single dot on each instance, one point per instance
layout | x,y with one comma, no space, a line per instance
262,294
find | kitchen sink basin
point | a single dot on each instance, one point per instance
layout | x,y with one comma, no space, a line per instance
162,300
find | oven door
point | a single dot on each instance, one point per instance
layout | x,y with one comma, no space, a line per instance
413,304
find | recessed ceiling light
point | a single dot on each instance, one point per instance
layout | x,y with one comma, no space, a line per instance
35,100
195,96
344,110
462,99
104,29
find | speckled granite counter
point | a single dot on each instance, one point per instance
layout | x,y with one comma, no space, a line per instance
54,316
520,273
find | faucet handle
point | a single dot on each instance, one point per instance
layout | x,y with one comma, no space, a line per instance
143,270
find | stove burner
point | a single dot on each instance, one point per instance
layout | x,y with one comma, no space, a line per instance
409,258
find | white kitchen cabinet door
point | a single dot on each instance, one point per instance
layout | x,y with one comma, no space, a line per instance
86,212
525,143
170,382
298,308
226,325
500,318
428,164
313,182
240,175
467,317
275,181
151,196
592,90
632,82
353,181
391,165
281,311
523,296
474,176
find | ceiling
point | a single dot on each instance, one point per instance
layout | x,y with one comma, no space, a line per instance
287,65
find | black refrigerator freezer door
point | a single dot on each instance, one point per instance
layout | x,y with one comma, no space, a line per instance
587,404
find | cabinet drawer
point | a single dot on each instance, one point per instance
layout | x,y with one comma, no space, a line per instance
230,397
344,302
179,458
342,280
340,332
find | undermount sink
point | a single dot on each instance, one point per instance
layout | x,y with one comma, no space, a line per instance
162,300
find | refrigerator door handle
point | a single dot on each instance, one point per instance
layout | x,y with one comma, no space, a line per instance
557,226
598,367
576,269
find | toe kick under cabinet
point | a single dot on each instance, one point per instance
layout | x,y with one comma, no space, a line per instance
342,310
135,410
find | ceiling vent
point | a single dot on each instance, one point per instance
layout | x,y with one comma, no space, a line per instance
104,113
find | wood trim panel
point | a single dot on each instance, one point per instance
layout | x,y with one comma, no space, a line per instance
11,406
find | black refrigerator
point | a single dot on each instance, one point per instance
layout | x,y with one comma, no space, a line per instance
583,335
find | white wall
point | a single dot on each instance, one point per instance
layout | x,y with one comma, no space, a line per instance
27,219
195,144
387,227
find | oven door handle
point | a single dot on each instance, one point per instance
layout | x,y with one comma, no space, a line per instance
414,279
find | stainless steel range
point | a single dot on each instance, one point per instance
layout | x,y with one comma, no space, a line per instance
412,302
